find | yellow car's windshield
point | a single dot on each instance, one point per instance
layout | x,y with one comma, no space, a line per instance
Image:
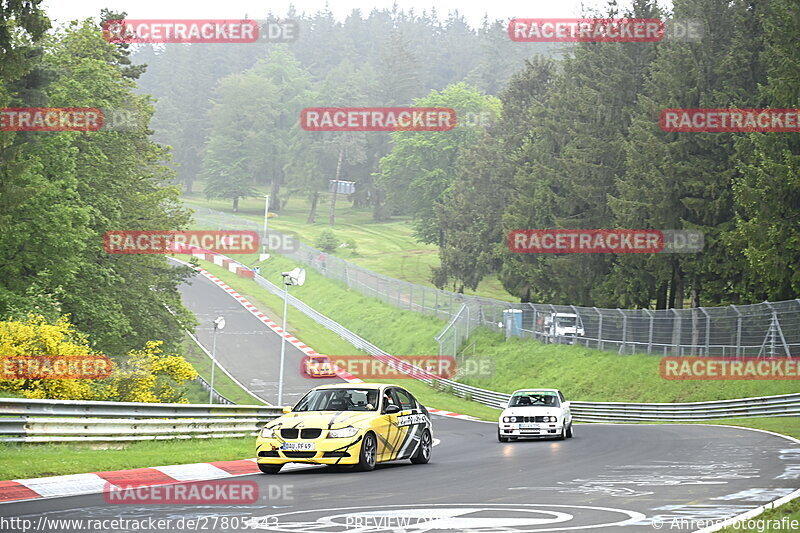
339,400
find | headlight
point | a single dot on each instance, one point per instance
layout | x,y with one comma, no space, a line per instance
513,418
506,419
268,433
553,419
343,433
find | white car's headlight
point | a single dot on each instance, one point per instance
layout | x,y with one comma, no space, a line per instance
513,418
268,433
553,419
342,433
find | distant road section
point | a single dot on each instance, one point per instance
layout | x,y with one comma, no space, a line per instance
247,348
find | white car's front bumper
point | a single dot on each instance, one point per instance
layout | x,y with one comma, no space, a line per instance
542,430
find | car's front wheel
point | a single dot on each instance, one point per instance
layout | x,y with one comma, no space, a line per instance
269,469
563,434
423,454
369,453
569,431
500,437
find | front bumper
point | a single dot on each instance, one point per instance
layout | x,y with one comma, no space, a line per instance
544,430
326,451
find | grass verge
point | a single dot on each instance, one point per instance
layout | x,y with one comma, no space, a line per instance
581,373
782,519
222,383
24,460
386,247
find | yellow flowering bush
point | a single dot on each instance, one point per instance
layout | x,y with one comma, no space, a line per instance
146,375
33,336
150,375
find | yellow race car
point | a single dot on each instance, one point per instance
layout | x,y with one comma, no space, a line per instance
358,424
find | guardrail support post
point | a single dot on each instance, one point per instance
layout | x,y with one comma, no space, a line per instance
624,330
577,320
738,330
708,331
599,328
676,332
650,332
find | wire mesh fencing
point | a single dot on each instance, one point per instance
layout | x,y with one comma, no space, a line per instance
758,330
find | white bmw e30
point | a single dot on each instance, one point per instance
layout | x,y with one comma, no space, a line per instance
535,413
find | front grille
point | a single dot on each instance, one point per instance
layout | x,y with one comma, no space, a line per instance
268,453
539,419
299,455
336,454
310,433
289,433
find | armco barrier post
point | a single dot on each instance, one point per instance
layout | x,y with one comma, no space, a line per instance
599,328
738,330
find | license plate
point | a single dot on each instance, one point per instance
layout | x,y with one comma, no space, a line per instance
298,446
529,426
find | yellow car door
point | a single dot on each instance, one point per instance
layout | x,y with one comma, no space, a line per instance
390,436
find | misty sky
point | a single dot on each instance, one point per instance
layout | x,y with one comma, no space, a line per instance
473,10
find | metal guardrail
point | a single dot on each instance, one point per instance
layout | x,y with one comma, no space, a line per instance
36,429
785,405
218,398
24,420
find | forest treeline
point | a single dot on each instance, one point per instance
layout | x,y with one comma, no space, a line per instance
572,141
60,191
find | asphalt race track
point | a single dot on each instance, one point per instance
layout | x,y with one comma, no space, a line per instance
602,477
247,349
637,478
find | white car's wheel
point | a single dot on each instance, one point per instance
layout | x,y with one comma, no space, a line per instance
563,433
500,437
569,431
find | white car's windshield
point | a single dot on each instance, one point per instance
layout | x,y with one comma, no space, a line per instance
534,398
339,400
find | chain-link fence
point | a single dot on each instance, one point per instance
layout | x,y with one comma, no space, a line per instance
765,329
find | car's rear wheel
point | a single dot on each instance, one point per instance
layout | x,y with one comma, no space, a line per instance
423,454
269,469
369,453
500,437
569,431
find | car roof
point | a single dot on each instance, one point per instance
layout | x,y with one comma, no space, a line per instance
355,386
536,390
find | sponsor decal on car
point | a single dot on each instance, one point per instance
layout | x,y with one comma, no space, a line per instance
410,420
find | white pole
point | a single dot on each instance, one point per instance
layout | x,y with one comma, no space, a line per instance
213,363
266,216
283,344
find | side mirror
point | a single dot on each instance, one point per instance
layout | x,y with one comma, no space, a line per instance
286,409
391,409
